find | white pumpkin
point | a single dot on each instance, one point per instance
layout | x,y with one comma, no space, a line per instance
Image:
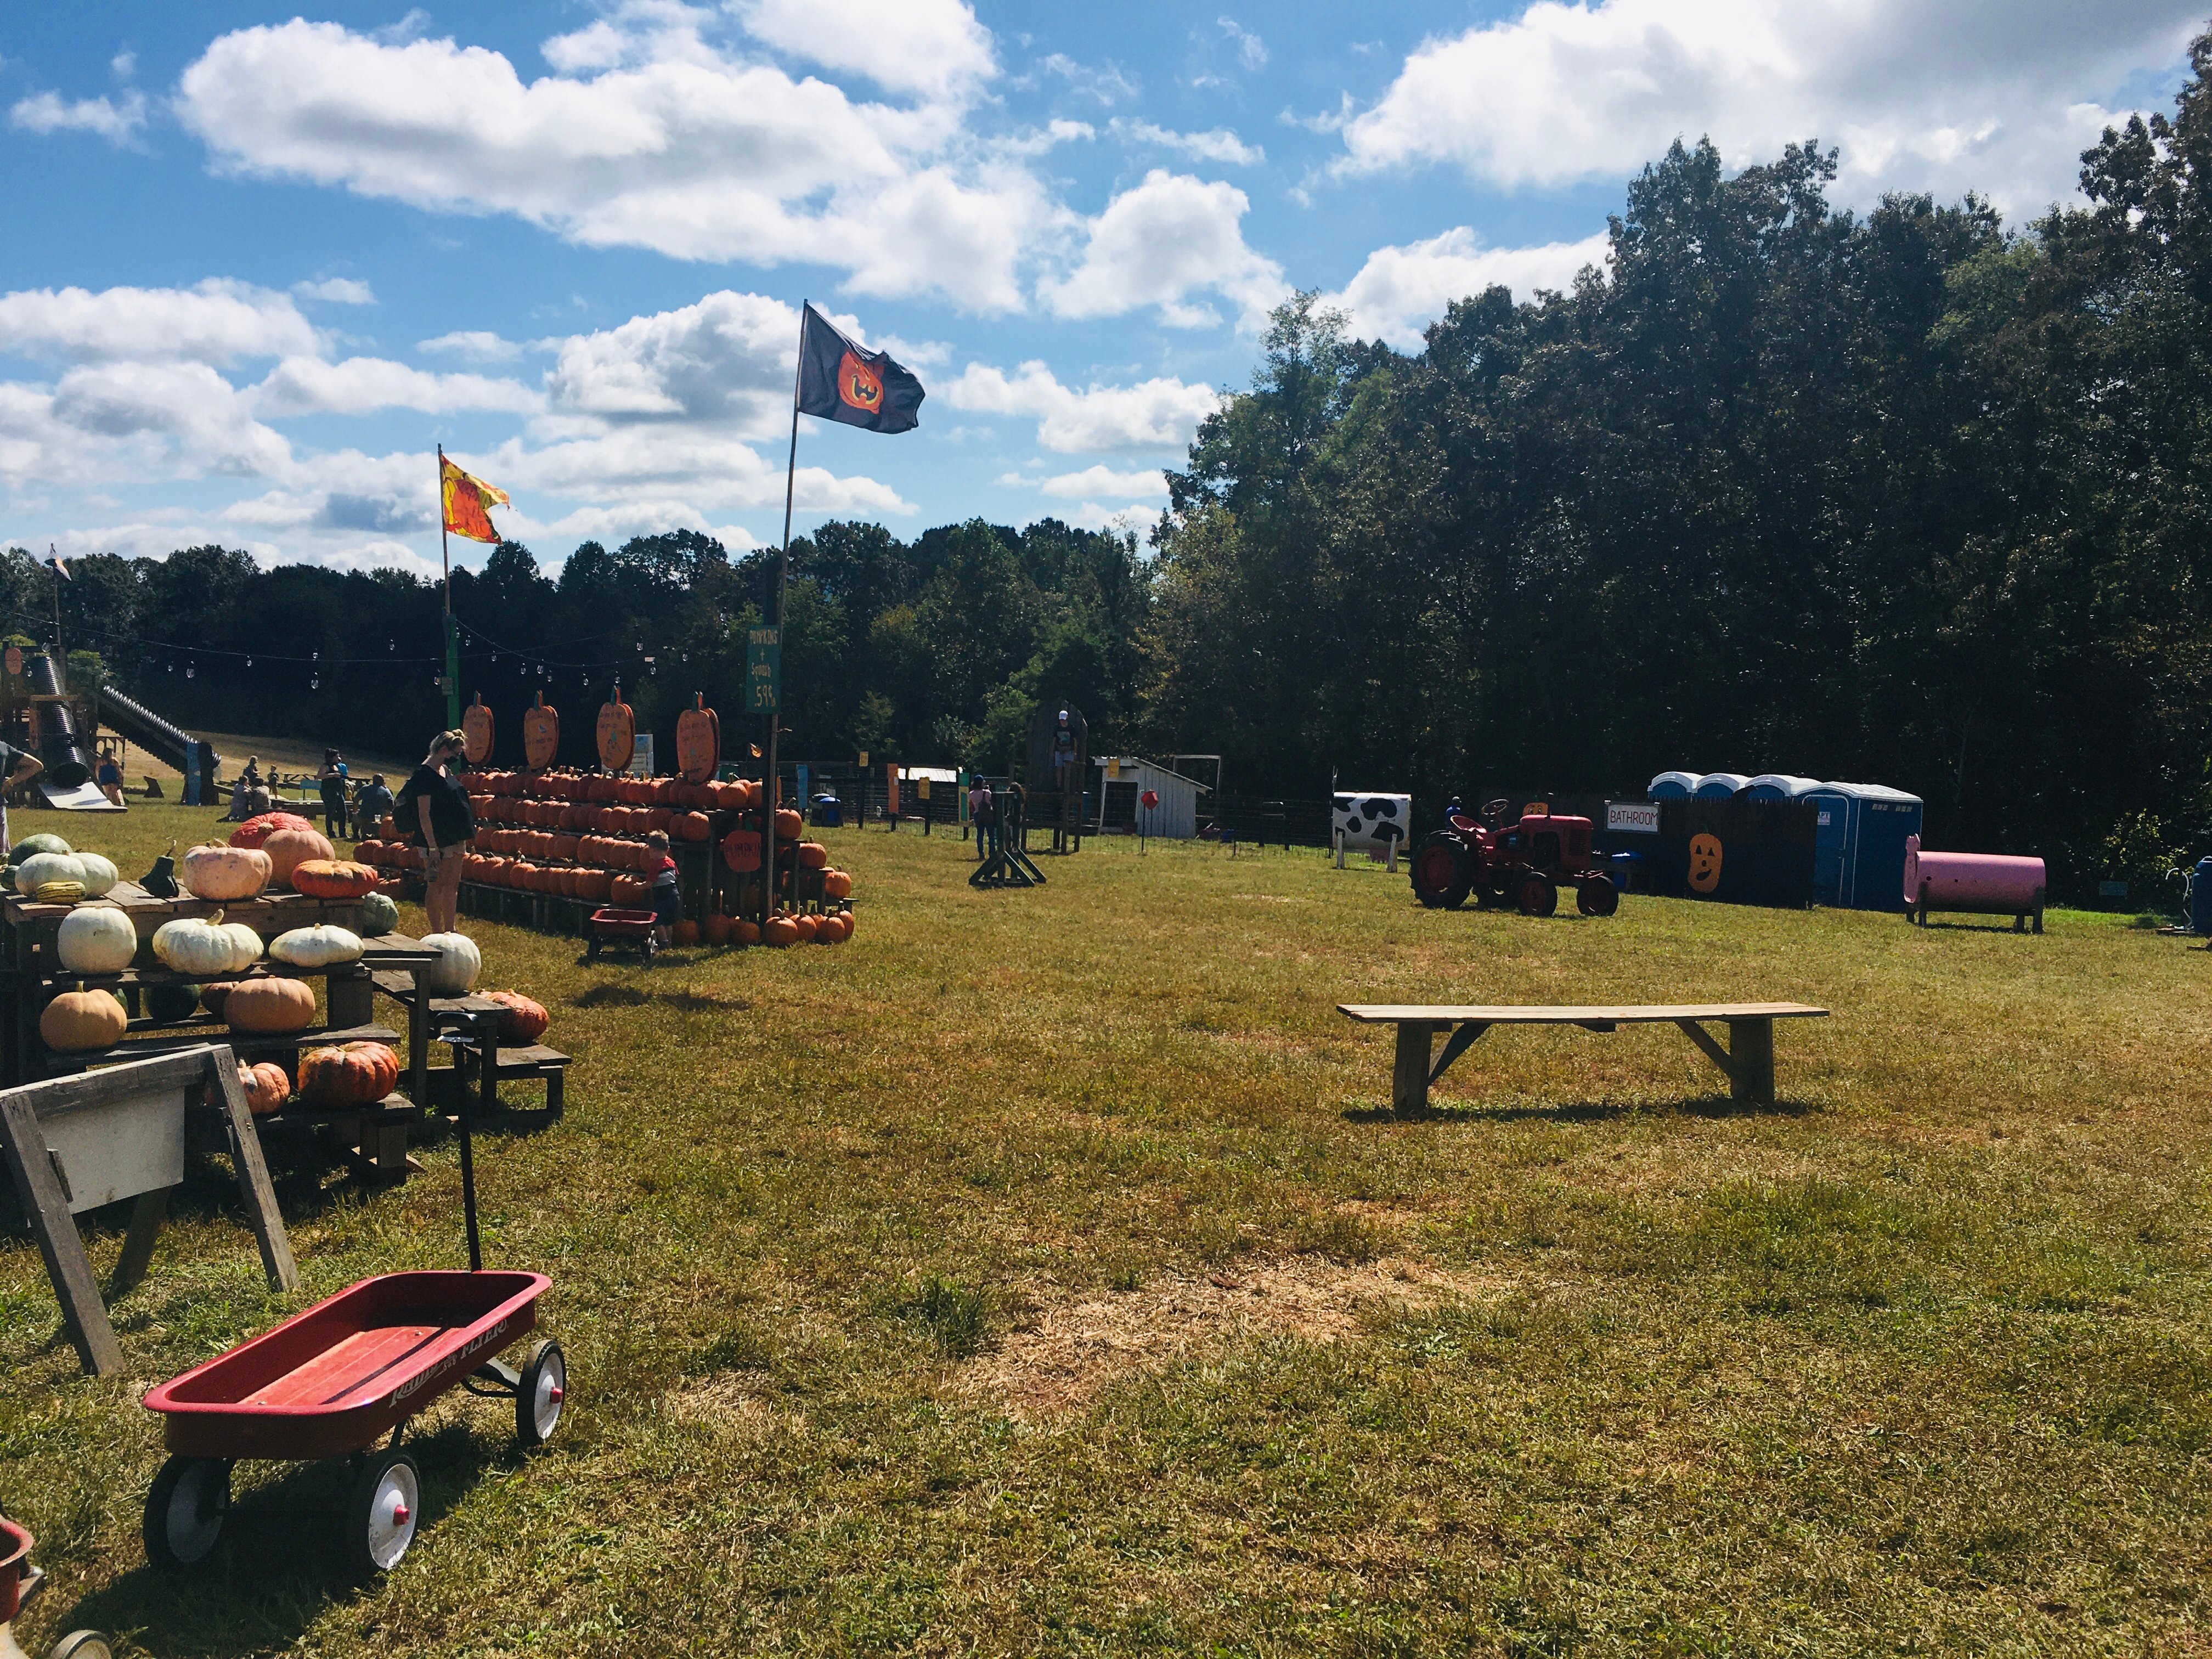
96,938
202,949
315,947
89,869
456,968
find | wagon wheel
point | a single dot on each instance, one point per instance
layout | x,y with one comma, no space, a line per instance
382,1514
1537,897
82,1645
185,1508
538,1396
1439,873
1597,897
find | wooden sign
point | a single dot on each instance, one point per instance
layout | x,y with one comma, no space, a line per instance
14,662
741,850
617,732
698,741
541,735
76,1143
476,728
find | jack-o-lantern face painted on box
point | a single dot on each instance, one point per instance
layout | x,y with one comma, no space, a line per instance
1705,863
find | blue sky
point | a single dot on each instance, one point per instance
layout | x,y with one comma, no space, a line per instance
257,264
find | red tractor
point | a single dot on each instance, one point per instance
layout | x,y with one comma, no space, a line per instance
1523,863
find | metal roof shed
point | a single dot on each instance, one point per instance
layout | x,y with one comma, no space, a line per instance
1122,781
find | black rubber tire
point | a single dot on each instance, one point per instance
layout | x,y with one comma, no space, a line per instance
1597,897
536,1418
185,1509
1439,873
83,1644
1536,896
378,1535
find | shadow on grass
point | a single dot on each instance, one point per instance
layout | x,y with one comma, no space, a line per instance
1973,927
684,999
1597,1111
278,1566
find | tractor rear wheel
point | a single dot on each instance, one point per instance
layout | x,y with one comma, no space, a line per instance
1537,897
1440,874
1597,897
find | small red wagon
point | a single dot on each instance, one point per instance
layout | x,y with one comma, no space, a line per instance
622,930
329,1383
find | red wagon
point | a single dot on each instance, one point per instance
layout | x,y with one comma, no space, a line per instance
329,1383
624,930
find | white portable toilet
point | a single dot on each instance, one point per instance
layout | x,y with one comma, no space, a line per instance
1673,786
1778,786
1718,786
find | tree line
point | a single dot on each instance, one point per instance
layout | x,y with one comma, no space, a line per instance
1907,496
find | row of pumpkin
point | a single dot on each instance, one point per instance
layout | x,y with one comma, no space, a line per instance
829,928
739,794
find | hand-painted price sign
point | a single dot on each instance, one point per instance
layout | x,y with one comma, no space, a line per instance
763,670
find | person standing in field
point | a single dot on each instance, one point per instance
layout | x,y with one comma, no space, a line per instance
982,811
332,779
667,895
435,803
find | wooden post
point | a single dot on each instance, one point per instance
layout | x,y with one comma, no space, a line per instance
228,1097
147,1215
84,1317
1409,1075
350,997
1751,1054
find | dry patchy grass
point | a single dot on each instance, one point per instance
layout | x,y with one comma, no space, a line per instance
910,1292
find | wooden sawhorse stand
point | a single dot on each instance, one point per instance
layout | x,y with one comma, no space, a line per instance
77,1143
1748,1061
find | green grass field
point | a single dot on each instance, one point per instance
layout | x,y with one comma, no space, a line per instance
1039,1274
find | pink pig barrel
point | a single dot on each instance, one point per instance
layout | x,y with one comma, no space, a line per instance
1983,884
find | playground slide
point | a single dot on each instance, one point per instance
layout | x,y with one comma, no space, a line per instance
145,728
85,798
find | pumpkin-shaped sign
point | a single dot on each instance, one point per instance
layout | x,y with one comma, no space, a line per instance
476,729
541,734
698,741
741,850
617,731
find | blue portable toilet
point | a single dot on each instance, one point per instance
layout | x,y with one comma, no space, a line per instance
1877,820
1831,828
1720,786
1777,785
1673,786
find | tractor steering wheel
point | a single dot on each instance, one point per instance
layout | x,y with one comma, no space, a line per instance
1493,812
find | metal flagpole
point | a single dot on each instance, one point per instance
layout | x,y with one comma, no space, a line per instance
782,578
61,657
453,674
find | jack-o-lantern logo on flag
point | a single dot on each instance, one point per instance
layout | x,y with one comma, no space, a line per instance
859,384
841,379
1705,863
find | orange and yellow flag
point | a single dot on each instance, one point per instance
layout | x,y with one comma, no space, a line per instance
467,498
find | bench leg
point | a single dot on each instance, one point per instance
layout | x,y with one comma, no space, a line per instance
146,1217
1751,1054
1409,1076
553,1096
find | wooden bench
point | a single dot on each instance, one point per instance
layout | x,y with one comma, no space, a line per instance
1748,1061
508,1065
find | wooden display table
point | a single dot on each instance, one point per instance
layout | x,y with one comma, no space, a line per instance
1748,1061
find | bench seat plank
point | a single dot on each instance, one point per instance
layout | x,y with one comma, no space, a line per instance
1539,1014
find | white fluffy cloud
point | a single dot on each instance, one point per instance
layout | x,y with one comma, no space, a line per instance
726,358
478,344
934,48
1400,291
1937,94
1219,144
1157,414
216,322
666,144
1104,481
1163,242
116,121
359,385
337,291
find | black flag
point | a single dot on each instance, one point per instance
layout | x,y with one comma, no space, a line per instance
840,381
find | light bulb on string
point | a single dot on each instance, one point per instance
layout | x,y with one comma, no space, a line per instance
249,660
314,682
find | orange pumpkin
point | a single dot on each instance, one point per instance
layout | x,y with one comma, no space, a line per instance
541,734
684,932
289,849
789,826
781,930
691,826
715,930
254,831
837,884
359,1074
629,891
476,729
698,741
814,855
269,1005
806,926
266,1087
845,925
744,931
77,1021
333,878
617,732
525,1020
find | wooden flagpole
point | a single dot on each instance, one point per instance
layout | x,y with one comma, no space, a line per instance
782,580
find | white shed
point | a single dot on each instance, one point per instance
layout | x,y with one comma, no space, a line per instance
1122,781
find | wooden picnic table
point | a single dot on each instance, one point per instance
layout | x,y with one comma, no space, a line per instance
1748,1061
